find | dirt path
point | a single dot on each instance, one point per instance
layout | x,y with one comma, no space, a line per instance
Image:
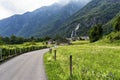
28,66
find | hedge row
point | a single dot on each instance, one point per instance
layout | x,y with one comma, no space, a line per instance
11,52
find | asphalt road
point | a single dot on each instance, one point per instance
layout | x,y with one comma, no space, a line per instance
28,66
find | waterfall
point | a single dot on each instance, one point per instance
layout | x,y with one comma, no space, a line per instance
74,32
77,27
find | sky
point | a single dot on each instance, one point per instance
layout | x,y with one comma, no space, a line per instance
11,7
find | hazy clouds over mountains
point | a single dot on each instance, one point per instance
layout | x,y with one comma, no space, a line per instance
64,2
11,7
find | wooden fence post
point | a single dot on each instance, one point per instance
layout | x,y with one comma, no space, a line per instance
55,55
70,66
15,52
50,50
9,53
20,51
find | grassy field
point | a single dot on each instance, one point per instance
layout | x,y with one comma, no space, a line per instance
91,61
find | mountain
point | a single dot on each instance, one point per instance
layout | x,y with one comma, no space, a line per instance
41,22
95,12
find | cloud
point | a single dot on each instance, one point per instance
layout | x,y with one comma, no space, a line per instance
5,13
11,7
64,2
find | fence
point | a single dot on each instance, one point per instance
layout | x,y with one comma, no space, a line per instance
55,55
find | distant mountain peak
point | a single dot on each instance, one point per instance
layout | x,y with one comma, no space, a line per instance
41,22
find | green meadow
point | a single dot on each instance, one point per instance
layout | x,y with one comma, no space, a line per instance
91,61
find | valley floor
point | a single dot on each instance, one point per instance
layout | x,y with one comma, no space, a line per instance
91,61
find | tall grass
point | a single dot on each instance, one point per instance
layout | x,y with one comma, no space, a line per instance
90,62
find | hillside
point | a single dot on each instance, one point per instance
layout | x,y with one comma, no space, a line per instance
97,11
108,27
40,22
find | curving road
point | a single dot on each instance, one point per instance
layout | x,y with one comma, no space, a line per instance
28,66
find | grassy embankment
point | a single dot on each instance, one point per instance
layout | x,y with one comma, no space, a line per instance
91,61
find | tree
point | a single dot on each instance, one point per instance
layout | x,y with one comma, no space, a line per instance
19,40
13,39
116,24
32,38
96,33
6,40
46,38
1,40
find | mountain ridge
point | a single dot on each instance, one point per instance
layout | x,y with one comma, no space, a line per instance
35,23
56,20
